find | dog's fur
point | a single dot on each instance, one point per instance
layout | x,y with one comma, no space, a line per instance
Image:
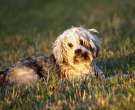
73,57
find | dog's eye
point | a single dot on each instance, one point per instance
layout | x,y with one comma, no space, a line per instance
91,49
81,42
70,45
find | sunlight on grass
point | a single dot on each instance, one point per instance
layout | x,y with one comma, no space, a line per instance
29,28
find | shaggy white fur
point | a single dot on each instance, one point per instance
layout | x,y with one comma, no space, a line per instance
75,50
73,57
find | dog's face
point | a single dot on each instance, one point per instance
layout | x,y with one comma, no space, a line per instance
76,46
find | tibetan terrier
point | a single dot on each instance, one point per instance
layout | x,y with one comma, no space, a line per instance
72,58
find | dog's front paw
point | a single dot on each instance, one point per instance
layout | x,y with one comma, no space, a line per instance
98,72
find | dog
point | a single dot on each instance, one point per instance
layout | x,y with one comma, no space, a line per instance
73,57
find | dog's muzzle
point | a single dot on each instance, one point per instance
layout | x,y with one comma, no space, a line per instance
81,55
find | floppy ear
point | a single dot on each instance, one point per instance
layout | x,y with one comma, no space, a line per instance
94,42
57,50
94,48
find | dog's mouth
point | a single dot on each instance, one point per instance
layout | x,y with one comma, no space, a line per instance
84,57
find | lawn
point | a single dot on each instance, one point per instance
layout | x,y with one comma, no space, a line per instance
29,27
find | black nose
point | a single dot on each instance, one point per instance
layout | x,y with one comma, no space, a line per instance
78,51
85,54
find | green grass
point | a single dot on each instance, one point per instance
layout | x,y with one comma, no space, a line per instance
28,27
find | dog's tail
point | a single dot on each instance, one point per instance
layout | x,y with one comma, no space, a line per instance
2,76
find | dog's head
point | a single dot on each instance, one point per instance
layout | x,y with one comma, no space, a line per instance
76,45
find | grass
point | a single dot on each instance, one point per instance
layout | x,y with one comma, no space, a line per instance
28,27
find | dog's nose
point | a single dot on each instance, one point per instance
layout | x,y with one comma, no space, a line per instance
78,51
85,54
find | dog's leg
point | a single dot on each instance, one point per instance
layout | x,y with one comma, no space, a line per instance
21,75
98,72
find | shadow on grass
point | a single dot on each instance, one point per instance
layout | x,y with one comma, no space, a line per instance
122,64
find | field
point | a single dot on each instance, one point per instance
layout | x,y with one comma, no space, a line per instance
29,27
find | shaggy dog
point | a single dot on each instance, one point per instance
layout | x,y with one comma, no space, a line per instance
72,58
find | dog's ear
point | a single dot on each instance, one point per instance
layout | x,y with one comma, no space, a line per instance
94,42
94,48
57,50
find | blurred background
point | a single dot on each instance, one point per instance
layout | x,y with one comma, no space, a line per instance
29,27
